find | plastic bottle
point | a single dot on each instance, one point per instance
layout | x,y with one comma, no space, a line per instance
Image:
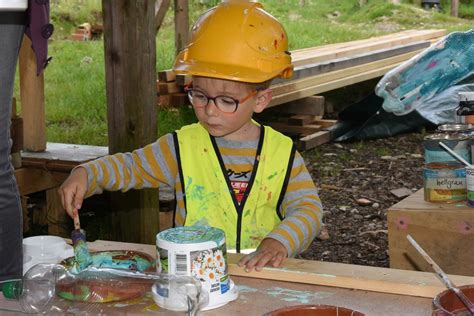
35,292
53,289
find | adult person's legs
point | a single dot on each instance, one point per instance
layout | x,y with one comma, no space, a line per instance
11,221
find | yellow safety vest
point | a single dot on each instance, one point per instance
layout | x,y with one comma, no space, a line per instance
208,195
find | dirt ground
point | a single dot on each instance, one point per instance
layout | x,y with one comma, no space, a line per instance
355,181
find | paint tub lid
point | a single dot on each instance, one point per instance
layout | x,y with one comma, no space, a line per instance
189,238
455,127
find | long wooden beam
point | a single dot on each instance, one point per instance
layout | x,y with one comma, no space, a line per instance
305,87
322,53
314,69
357,277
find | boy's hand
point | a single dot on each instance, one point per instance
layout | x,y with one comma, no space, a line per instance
270,251
72,191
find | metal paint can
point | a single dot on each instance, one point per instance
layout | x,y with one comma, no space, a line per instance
470,186
444,182
459,142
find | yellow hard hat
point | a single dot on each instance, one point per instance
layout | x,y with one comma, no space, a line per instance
236,40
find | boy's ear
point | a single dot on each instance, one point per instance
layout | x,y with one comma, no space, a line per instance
263,99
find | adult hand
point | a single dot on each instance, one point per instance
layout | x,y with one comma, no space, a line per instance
270,251
73,190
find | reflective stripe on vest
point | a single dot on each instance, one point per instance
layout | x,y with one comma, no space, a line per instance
208,195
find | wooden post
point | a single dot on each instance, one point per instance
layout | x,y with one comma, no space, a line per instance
455,8
130,55
181,24
161,7
32,100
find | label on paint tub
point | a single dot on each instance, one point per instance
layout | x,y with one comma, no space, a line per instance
444,182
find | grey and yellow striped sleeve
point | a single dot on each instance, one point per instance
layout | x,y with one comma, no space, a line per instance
146,167
302,208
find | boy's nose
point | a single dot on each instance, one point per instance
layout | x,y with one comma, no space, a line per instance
211,110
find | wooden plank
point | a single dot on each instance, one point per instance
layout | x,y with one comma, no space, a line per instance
325,123
313,140
293,129
446,232
32,99
181,24
183,80
300,120
294,85
166,76
335,51
31,180
131,106
356,277
62,157
165,88
314,69
331,85
312,105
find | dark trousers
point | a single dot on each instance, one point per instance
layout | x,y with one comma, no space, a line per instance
11,221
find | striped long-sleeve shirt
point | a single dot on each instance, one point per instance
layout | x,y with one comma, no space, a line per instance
156,164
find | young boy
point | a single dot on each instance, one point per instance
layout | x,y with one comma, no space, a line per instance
227,170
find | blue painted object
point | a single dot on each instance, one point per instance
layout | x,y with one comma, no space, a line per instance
427,74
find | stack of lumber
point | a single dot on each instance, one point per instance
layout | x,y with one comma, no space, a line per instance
321,69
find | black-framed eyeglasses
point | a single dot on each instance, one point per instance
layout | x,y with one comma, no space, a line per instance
223,103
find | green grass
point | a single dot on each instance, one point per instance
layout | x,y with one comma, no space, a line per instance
75,85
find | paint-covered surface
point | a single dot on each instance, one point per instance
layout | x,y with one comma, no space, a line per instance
417,80
444,182
99,288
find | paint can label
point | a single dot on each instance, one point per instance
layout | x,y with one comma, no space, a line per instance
444,182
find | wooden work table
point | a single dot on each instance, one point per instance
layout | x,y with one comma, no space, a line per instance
373,291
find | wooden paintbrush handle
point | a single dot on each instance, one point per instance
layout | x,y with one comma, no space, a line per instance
77,223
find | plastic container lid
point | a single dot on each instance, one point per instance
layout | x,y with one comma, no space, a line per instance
12,289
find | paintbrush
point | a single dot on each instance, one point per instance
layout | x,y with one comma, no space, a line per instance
82,257
443,276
